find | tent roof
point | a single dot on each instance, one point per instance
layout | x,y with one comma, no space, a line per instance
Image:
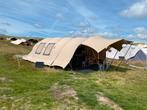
65,48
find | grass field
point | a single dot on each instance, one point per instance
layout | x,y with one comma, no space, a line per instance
26,88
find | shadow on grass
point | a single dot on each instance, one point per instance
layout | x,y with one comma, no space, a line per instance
111,69
114,68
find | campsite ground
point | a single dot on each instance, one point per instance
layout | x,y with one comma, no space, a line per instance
25,87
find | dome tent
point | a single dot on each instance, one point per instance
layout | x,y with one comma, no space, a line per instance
64,52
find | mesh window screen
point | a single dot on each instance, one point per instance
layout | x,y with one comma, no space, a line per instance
40,47
49,48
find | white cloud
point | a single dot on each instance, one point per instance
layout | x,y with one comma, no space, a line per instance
81,9
108,34
137,10
139,33
22,28
130,36
37,25
5,24
60,16
141,30
85,12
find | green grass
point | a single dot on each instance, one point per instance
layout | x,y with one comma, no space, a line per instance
28,88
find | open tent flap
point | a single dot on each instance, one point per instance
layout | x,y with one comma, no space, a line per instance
86,57
83,57
118,44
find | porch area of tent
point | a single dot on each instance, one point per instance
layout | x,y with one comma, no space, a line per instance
87,58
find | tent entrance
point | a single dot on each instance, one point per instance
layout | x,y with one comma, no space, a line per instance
84,58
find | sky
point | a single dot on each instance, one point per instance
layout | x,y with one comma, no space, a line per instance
58,18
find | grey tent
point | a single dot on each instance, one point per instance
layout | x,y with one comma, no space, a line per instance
133,52
134,55
139,56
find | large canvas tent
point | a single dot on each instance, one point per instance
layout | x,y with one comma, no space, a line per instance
74,52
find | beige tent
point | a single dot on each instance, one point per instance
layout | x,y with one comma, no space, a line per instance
72,51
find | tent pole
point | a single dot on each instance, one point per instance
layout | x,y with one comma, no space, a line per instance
114,58
125,54
70,66
94,54
146,61
104,64
104,61
98,59
18,63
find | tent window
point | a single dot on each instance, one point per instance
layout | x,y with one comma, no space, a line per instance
40,47
49,48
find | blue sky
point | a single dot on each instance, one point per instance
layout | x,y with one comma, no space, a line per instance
50,18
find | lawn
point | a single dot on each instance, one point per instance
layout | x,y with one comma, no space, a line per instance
25,87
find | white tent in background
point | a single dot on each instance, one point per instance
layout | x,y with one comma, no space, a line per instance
112,53
134,53
128,52
144,50
136,56
18,41
8,38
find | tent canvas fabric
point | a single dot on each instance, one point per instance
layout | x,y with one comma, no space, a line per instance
139,60
129,51
60,51
140,56
112,53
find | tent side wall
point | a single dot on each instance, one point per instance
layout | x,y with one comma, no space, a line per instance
33,57
140,56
